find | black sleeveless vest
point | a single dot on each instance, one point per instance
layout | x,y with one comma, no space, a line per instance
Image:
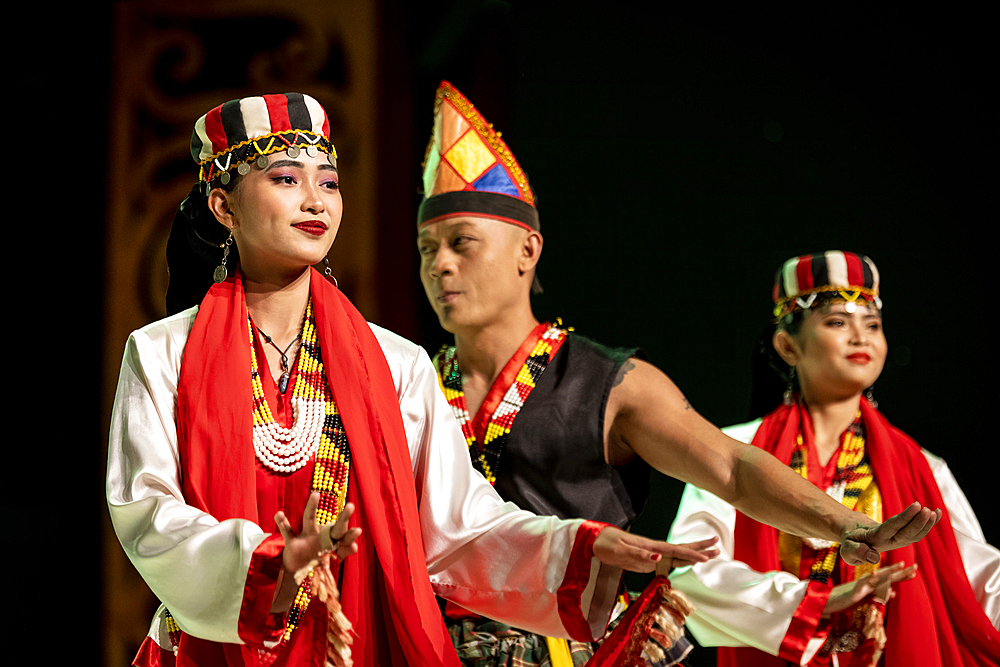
553,460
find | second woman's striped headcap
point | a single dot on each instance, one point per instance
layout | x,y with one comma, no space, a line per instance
809,280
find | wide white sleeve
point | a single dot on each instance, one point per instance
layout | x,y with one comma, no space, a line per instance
194,564
735,605
483,553
981,560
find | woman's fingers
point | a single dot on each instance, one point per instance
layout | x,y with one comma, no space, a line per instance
284,527
309,514
703,546
348,543
878,584
639,554
339,529
338,535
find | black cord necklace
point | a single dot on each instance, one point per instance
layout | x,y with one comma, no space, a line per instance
283,380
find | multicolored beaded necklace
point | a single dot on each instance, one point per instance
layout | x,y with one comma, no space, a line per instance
851,478
317,429
311,394
486,446
280,449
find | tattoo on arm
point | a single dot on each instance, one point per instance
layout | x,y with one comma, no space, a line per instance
625,368
687,403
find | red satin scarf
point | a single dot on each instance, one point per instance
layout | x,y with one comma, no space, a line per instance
386,590
935,619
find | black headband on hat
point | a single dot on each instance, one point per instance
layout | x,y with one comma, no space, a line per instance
482,204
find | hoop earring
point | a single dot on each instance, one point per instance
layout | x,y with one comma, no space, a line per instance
871,397
789,396
329,273
221,273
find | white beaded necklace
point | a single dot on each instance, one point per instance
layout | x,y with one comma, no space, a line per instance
285,450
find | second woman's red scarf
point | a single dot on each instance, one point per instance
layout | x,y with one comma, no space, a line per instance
934,620
386,590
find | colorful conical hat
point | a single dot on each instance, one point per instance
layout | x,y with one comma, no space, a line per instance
468,169
809,280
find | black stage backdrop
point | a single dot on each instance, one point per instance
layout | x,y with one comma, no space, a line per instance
678,159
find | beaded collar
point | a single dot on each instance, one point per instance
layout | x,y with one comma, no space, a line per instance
487,434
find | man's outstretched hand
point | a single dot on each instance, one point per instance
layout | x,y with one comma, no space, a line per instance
863,544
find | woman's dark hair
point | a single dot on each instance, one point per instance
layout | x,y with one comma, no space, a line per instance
769,374
194,249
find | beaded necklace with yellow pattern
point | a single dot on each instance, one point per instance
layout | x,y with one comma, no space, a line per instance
316,420
486,458
852,478
331,450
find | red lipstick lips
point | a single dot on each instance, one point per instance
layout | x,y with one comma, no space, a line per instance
314,227
859,358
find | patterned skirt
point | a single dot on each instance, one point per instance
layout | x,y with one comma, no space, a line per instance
481,642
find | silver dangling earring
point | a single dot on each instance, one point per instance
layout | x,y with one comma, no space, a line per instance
789,396
329,273
221,273
869,394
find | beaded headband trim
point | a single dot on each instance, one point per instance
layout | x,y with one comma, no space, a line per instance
255,151
834,276
242,132
466,156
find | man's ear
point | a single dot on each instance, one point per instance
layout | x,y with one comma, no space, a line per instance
220,204
531,251
786,346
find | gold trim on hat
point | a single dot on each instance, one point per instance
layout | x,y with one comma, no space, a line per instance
209,168
788,304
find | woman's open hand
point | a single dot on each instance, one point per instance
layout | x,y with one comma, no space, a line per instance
302,549
879,583
614,546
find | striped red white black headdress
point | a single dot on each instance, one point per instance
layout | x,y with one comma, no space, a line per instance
240,132
832,276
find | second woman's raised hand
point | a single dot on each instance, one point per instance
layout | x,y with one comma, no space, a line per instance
878,583
614,546
863,544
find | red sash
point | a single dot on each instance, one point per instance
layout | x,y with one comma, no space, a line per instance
386,590
935,619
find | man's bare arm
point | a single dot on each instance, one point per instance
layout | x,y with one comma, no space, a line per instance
649,417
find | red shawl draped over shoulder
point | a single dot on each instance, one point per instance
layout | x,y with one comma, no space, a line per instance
386,591
934,620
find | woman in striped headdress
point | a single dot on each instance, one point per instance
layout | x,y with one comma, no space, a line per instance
776,599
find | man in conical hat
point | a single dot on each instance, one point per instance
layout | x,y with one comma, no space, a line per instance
558,423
